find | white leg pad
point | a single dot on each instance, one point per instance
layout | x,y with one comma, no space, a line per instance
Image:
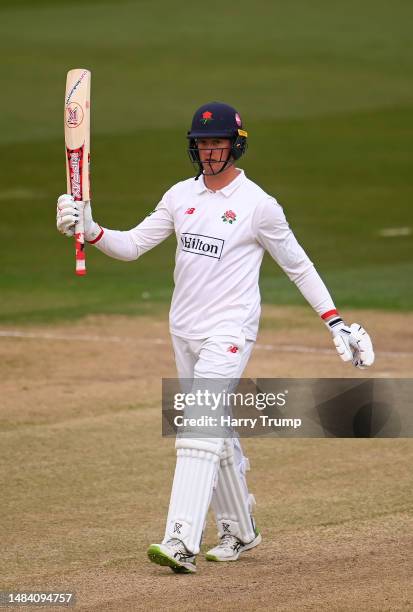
232,503
196,470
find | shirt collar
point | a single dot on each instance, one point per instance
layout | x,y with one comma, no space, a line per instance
228,190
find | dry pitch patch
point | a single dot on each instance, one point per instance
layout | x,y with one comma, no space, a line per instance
86,476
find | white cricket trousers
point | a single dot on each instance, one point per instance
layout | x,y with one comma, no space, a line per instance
213,358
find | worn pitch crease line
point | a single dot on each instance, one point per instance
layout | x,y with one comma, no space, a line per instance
283,348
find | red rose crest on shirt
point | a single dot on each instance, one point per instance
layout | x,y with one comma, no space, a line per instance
229,217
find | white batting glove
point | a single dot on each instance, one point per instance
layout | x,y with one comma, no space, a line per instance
67,215
352,343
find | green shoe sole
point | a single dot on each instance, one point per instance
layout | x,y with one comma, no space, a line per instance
211,558
157,556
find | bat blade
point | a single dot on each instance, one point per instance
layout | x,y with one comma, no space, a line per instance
77,141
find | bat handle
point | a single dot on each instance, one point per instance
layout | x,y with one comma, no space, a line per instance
80,242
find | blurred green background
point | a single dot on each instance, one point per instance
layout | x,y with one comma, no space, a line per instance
326,93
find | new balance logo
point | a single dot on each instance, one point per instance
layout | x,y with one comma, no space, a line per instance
199,244
177,528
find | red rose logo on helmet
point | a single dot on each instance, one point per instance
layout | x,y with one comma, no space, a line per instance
238,120
206,116
229,217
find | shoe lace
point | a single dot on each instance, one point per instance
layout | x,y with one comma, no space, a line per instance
179,548
228,541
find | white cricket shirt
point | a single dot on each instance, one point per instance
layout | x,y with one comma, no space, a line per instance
221,238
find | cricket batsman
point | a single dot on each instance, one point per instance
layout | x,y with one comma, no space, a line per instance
223,223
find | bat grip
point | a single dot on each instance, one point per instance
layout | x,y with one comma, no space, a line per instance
80,242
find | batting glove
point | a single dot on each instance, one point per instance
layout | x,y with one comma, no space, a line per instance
67,215
352,343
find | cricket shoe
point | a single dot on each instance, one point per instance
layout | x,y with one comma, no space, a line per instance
230,548
173,554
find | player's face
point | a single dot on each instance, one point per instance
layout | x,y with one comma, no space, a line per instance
213,153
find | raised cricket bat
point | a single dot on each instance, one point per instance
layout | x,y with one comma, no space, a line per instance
77,140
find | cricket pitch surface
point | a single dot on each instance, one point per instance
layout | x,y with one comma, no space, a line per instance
86,475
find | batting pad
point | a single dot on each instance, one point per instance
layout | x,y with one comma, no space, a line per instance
231,501
196,470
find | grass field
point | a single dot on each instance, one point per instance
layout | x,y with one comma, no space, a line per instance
326,93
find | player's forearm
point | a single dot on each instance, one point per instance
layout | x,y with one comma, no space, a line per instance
315,292
131,244
116,244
